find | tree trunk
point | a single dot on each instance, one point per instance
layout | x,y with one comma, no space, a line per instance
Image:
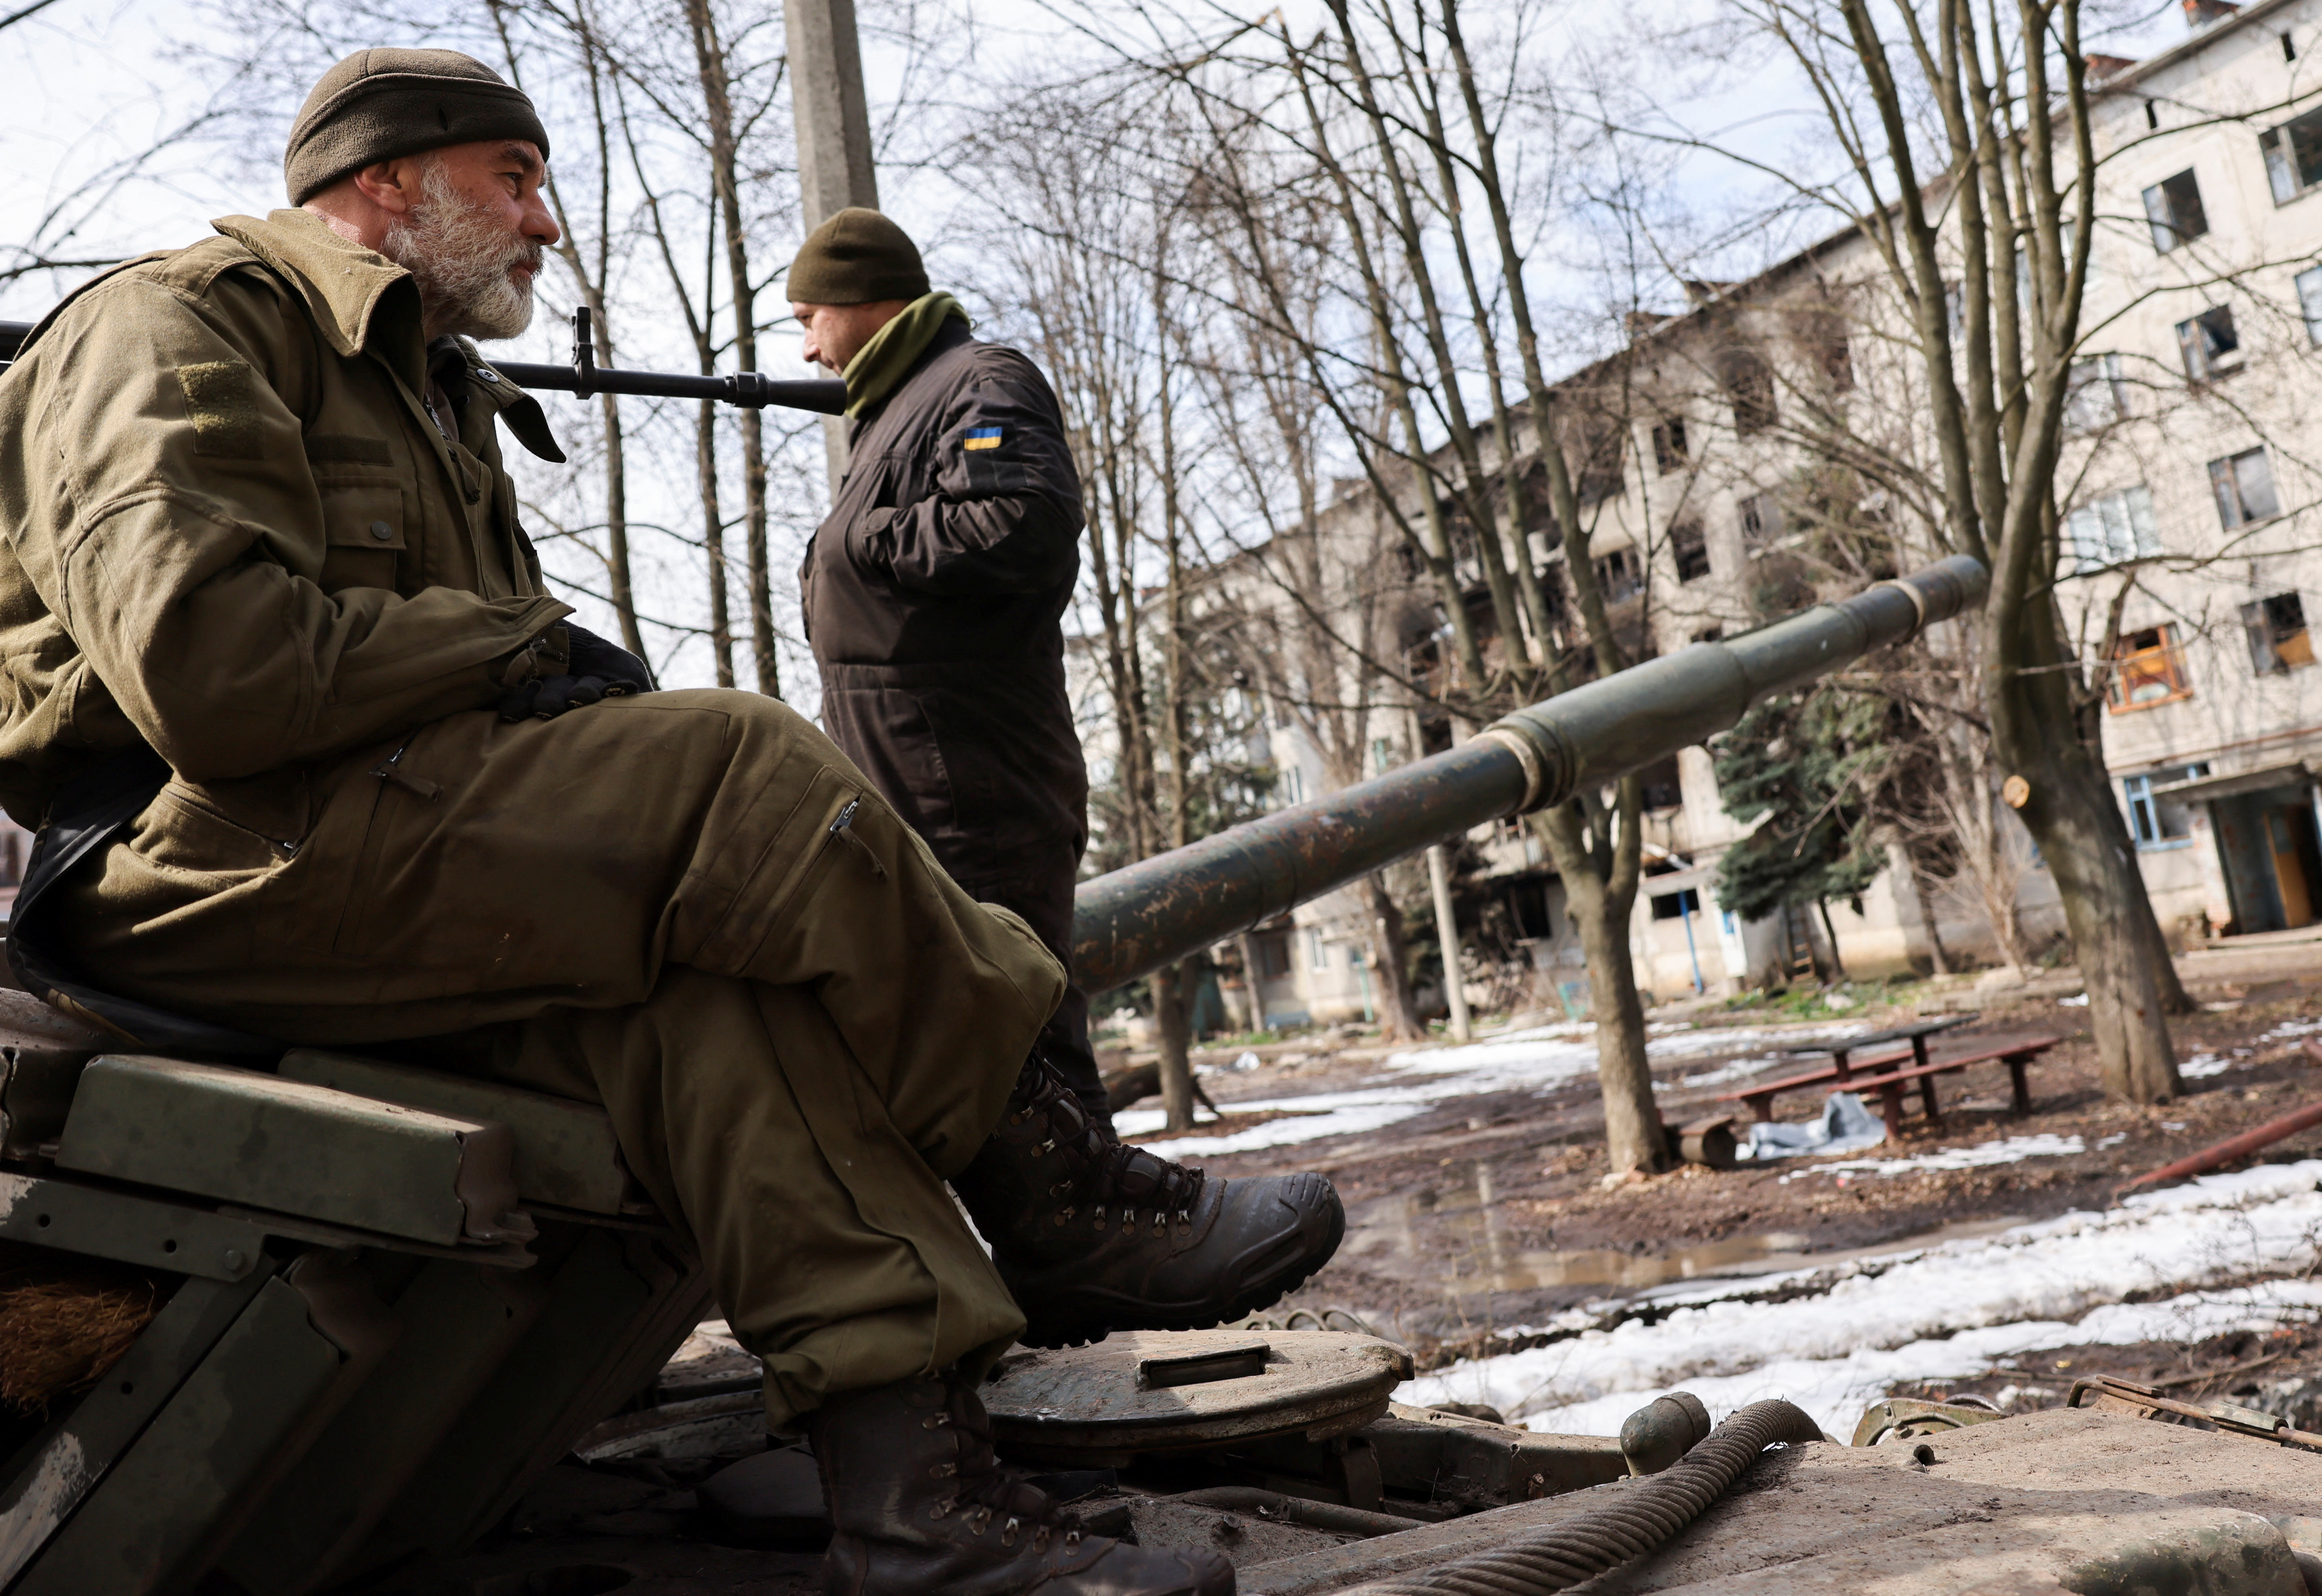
1398,1010
717,100
2069,808
2104,896
713,538
1935,953
1830,935
1171,992
1599,900
1633,1121
1251,982
617,518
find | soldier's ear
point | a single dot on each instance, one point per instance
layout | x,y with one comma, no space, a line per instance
393,185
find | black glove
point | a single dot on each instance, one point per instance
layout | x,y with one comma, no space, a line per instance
592,669
620,671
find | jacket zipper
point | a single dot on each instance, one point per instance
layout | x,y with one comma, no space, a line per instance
844,827
391,769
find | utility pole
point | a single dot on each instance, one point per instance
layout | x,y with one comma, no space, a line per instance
833,118
1447,933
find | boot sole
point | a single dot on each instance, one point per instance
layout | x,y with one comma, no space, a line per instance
1086,1330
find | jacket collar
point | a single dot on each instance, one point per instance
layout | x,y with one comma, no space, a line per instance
354,293
949,336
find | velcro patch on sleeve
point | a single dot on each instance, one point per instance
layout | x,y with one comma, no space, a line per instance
981,437
223,402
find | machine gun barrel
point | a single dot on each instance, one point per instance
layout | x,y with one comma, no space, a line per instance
1135,920
584,377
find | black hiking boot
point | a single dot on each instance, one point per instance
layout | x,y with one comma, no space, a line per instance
919,1505
1092,1236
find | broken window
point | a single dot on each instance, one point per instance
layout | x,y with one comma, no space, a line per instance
1273,955
1619,576
2243,484
1660,788
1761,520
2278,638
2148,668
2293,156
1602,441
1668,445
2095,397
1691,547
2112,530
1677,905
1748,384
2174,206
2209,344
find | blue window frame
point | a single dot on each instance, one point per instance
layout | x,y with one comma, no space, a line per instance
2158,822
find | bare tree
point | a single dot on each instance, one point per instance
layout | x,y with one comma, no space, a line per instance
1969,171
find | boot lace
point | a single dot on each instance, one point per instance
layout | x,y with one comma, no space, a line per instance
1090,1166
990,1490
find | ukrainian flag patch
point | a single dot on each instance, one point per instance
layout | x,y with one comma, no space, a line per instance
981,437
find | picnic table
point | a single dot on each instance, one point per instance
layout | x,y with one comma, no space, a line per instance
1916,1032
1888,1074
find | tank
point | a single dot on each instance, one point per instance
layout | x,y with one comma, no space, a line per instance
348,1313
1135,920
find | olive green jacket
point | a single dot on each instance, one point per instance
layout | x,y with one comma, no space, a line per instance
229,530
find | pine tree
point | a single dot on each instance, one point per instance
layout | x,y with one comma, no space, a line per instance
1808,766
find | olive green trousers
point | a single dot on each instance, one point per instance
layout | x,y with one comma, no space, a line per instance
687,906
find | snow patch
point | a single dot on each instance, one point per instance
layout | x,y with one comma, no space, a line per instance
2201,1066
1948,1311
1535,1060
2014,1149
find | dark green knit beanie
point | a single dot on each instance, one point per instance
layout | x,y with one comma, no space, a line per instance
378,105
859,257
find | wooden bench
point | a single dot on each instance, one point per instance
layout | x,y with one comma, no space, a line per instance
1867,1077
1761,1097
2018,1057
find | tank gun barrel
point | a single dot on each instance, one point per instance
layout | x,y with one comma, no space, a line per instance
1135,920
584,377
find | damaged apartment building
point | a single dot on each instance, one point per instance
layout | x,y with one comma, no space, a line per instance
2188,482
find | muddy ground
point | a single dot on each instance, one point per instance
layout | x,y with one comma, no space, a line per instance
1492,1213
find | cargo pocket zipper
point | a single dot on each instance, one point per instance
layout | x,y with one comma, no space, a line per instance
390,769
844,827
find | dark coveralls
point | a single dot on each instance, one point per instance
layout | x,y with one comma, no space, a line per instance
933,595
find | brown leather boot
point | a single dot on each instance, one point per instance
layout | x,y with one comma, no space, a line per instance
1092,1236
919,1505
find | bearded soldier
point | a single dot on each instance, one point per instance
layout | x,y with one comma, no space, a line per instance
317,759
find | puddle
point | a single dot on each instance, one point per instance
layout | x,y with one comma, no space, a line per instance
1458,1240
1528,1271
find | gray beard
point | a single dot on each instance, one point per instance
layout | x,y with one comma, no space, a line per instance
463,260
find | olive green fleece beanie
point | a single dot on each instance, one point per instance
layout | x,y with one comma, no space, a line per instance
378,105
859,257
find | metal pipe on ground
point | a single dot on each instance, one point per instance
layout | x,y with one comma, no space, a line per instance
1135,920
2233,1147
1643,1515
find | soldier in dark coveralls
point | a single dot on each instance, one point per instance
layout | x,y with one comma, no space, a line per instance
933,596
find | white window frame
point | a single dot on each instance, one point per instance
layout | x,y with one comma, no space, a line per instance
2112,530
